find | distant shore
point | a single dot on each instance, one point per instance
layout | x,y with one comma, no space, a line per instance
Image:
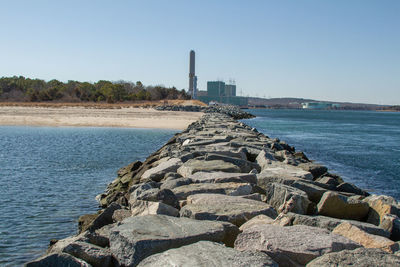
93,115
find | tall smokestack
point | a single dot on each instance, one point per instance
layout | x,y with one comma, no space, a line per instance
191,72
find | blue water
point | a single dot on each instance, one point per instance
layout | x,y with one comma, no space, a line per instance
361,146
50,176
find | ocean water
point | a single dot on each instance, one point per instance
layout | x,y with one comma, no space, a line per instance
50,176
363,147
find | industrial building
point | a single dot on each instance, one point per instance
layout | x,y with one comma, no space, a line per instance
217,91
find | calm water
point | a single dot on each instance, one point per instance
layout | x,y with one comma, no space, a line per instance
361,146
50,176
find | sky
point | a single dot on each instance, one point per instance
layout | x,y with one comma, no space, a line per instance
338,50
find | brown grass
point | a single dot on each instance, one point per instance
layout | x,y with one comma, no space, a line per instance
137,104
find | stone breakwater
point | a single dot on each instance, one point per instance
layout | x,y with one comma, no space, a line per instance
232,111
222,194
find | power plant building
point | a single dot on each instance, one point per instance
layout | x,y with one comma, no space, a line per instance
218,91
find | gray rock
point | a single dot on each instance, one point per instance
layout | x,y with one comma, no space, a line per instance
171,184
292,245
365,239
327,180
244,165
330,223
258,220
236,210
276,194
351,188
391,223
121,214
206,253
337,206
366,257
280,169
264,158
59,260
315,169
255,196
313,191
142,207
380,206
92,254
194,165
165,196
223,177
104,218
139,237
157,173
233,189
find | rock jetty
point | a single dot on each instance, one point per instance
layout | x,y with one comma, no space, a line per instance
222,194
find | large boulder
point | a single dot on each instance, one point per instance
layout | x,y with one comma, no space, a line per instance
233,189
334,205
315,169
136,238
233,209
280,169
223,177
292,245
277,194
330,223
365,257
391,223
367,240
194,165
59,260
157,173
258,220
92,254
206,253
142,207
380,206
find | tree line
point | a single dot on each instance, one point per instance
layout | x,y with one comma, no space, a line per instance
35,90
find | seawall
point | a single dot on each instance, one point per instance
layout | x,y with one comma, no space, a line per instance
221,193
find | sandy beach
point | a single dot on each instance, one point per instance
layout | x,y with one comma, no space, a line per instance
130,117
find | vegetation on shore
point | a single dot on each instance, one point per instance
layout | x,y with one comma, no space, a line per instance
36,90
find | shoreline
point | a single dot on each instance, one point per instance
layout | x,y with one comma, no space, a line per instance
106,116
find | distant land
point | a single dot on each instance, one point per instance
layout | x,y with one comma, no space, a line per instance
296,103
18,89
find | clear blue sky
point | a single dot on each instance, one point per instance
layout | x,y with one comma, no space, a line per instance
339,50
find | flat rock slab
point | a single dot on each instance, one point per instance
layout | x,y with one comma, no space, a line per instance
157,173
223,177
236,210
142,207
194,165
367,240
136,238
206,253
365,257
280,169
233,189
292,245
330,223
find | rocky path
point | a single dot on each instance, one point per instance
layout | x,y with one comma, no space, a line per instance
222,194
